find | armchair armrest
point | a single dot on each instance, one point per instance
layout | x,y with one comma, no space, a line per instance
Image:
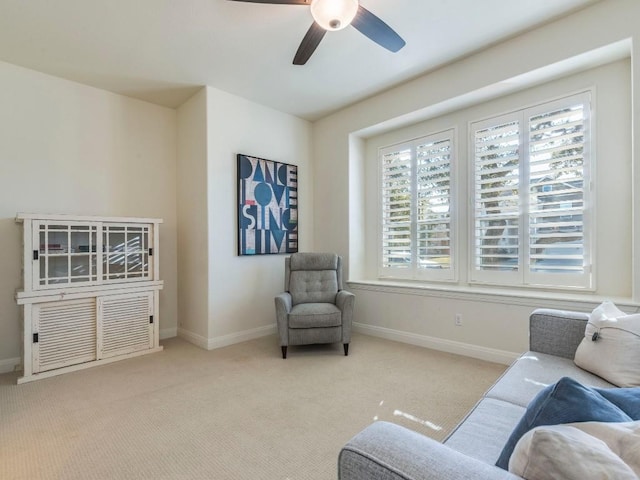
556,332
283,307
345,301
385,451
284,302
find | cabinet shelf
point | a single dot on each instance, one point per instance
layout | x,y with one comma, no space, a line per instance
72,254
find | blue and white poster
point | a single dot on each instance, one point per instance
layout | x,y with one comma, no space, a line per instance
267,206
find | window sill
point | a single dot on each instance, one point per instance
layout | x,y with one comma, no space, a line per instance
505,296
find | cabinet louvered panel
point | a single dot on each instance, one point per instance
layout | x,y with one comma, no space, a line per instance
125,324
66,334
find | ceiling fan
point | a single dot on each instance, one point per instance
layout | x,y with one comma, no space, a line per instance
336,15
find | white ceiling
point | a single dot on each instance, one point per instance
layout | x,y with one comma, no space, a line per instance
162,51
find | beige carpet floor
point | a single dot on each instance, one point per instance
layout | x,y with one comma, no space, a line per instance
240,412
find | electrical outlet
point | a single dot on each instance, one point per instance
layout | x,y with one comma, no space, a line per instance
458,320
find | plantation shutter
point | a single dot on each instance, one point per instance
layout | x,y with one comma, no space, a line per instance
558,189
396,208
531,190
416,197
496,196
433,183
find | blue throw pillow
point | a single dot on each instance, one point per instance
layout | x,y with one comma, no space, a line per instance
568,401
626,399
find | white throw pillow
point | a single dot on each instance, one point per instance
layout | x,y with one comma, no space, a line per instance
611,346
579,451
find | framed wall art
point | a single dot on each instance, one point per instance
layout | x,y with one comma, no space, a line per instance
267,206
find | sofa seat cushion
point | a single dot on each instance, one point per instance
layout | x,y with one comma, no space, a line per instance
534,371
485,430
566,401
315,315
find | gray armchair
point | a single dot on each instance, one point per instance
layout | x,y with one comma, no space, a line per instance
314,308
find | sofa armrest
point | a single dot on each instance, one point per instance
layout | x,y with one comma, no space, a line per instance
385,451
556,332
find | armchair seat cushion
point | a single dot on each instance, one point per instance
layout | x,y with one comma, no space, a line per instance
315,315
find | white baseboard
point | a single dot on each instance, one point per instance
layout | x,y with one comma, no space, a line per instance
450,346
9,364
168,332
225,340
197,340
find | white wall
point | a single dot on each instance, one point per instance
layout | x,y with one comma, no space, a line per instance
193,250
494,324
69,148
240,289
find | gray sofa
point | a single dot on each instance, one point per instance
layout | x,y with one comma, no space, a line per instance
387,451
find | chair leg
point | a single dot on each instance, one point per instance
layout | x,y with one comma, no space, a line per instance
284,352
346,349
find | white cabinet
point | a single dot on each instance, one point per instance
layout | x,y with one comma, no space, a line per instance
91,291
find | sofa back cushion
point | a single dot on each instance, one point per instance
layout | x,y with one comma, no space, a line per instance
556,332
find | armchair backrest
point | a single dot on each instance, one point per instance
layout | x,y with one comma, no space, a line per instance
313,277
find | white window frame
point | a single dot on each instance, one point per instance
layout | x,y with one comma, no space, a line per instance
523,277
412,271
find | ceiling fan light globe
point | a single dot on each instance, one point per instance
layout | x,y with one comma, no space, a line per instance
334,14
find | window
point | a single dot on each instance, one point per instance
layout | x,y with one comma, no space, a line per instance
416,223
531,196
529,201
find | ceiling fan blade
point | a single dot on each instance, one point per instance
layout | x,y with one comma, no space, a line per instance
378,31
278,2
309,44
